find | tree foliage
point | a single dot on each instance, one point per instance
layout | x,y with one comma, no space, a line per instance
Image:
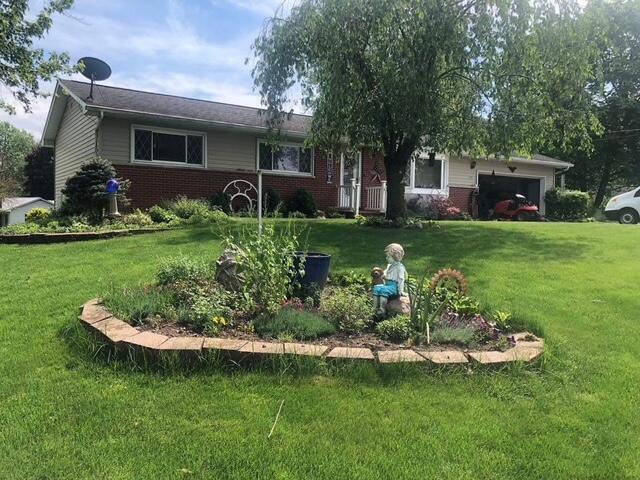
483,76
15,144
23,66
39,173
615,159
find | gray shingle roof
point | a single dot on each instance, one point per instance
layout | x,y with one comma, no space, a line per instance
10,203
170,105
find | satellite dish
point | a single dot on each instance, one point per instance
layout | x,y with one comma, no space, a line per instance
95,69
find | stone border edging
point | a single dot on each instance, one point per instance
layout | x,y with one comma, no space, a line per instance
40,238
119,333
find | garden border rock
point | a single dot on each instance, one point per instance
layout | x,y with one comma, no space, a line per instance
119,333
63,237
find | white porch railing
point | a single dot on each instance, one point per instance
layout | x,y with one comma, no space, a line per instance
349,197
377,197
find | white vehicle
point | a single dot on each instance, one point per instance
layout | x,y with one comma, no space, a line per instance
624,207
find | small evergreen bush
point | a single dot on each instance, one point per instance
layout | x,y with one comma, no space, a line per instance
86,191
303,202
271,201
222,201
568,205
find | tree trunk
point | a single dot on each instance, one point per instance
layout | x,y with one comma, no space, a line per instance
395,165
602,185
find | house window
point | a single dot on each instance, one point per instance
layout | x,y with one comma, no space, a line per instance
425,176
285,157
168,146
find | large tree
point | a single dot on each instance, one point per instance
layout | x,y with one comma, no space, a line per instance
483,76
614,160
23,66
15,144
39,173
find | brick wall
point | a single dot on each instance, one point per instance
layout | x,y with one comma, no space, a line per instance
152,184
461,198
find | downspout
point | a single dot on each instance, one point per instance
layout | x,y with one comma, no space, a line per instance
97,133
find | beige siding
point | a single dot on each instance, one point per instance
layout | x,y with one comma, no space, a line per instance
75,144
225,150
460,175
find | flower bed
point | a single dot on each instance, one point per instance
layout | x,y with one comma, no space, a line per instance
251,295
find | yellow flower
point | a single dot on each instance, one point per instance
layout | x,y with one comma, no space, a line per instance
219,320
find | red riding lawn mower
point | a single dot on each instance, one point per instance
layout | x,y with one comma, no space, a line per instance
518,208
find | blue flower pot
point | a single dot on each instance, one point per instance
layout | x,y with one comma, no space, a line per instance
316,268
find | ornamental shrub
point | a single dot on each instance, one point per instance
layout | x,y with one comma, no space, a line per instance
395,329
303,202
222,201
186,208
38,215
159,214
567,205
137,218
349,309
183,268
86,191
267,263
271,201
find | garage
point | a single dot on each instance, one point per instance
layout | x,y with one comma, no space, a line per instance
493,188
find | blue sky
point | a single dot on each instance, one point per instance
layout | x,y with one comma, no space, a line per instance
195,48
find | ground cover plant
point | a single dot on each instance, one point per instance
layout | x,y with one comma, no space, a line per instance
70,414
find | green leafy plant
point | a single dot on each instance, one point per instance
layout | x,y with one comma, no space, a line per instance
400,222
502,320
183,268
159,214
186,208
349,278
395,329
426,307
137,217
267,263
349,309
271,202
296,214
38,215
300,324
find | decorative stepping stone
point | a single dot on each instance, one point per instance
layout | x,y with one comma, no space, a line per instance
524,354
263,348
526,339
183,343
223,344
351,353
114,329
147,340
305,349
492,357
92,312
398,356
445,358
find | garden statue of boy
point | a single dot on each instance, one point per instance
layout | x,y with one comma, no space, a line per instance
394,277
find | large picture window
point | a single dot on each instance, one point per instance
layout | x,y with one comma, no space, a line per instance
425,176
168,146
285,157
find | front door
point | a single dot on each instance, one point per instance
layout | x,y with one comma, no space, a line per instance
350,174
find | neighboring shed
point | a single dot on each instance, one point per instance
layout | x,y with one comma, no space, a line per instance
14,209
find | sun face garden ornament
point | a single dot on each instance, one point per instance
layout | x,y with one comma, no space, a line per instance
112,191
394,278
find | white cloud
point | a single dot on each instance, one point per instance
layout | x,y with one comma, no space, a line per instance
260,7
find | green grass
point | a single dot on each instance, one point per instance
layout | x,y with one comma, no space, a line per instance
301,325
65,414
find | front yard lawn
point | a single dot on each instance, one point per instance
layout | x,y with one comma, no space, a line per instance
66,415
